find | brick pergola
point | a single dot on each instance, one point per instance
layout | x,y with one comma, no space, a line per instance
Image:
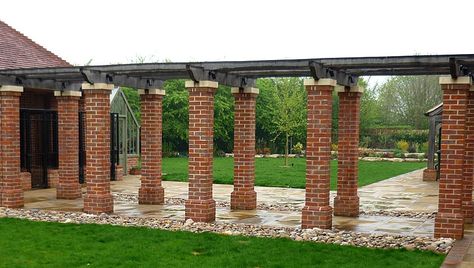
89,86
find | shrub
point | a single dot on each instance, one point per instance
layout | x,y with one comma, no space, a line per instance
388,137
398,153
333,147
267,150
403,146
298,148
365,142
423,147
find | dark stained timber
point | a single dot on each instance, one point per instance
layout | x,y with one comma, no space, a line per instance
239,73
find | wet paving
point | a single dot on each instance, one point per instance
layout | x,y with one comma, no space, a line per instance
404,192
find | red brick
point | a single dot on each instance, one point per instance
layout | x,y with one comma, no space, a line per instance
68,186
98,198
317,211
151,191
346,202
429,174
200,205
449,221
467,205
244,196
11,185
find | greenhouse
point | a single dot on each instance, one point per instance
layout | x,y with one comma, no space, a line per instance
125,133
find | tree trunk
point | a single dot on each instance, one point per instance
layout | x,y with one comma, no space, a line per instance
286,151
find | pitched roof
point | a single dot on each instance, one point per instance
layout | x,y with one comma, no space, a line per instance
18,51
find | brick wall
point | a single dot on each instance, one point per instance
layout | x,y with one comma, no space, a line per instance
317,212
26,180
467,205
244,195
11,185
68,186
449,221
132,161
151,191
346,202
38,99
200,205
98,198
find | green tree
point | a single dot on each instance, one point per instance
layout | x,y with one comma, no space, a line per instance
175,116
223,120
405,99
134,100
370,115
285,105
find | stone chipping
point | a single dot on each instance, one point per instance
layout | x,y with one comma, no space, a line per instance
333,236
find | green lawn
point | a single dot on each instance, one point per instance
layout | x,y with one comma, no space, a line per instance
270,171
39,244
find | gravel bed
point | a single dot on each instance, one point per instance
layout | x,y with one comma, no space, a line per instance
333,236
133,198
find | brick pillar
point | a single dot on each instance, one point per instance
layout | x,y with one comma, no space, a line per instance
68,130
98,198
449,221
317,212
200,206
244,195
151,190
346,203
11,186
467,205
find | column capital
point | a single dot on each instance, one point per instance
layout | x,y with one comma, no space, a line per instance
448,80
9,88
204,83
320,82
245,90
97,86
154,91
67,93
354,89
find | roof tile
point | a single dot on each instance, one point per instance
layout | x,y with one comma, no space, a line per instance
18,51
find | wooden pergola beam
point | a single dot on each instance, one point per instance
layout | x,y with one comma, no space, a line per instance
243,73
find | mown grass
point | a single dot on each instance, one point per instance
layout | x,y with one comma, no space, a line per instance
39,244
271,172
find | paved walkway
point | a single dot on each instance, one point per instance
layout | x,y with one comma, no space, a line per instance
405,192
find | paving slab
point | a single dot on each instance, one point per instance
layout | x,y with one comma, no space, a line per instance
405,192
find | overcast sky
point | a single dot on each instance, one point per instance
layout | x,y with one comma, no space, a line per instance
119,31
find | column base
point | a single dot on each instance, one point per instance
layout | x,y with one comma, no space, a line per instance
449,225
68,191
200,211
12,198
429,174
468,211
97,204
243,200
319,217
346,206
151,196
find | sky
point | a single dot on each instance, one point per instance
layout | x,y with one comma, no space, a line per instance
110,32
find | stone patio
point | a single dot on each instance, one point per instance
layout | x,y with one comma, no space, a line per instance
406,192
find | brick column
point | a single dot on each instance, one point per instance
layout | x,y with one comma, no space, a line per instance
449,221
244,195
68,130
467,205
98,198
11,189
317,212
151,190
200,206
346,203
